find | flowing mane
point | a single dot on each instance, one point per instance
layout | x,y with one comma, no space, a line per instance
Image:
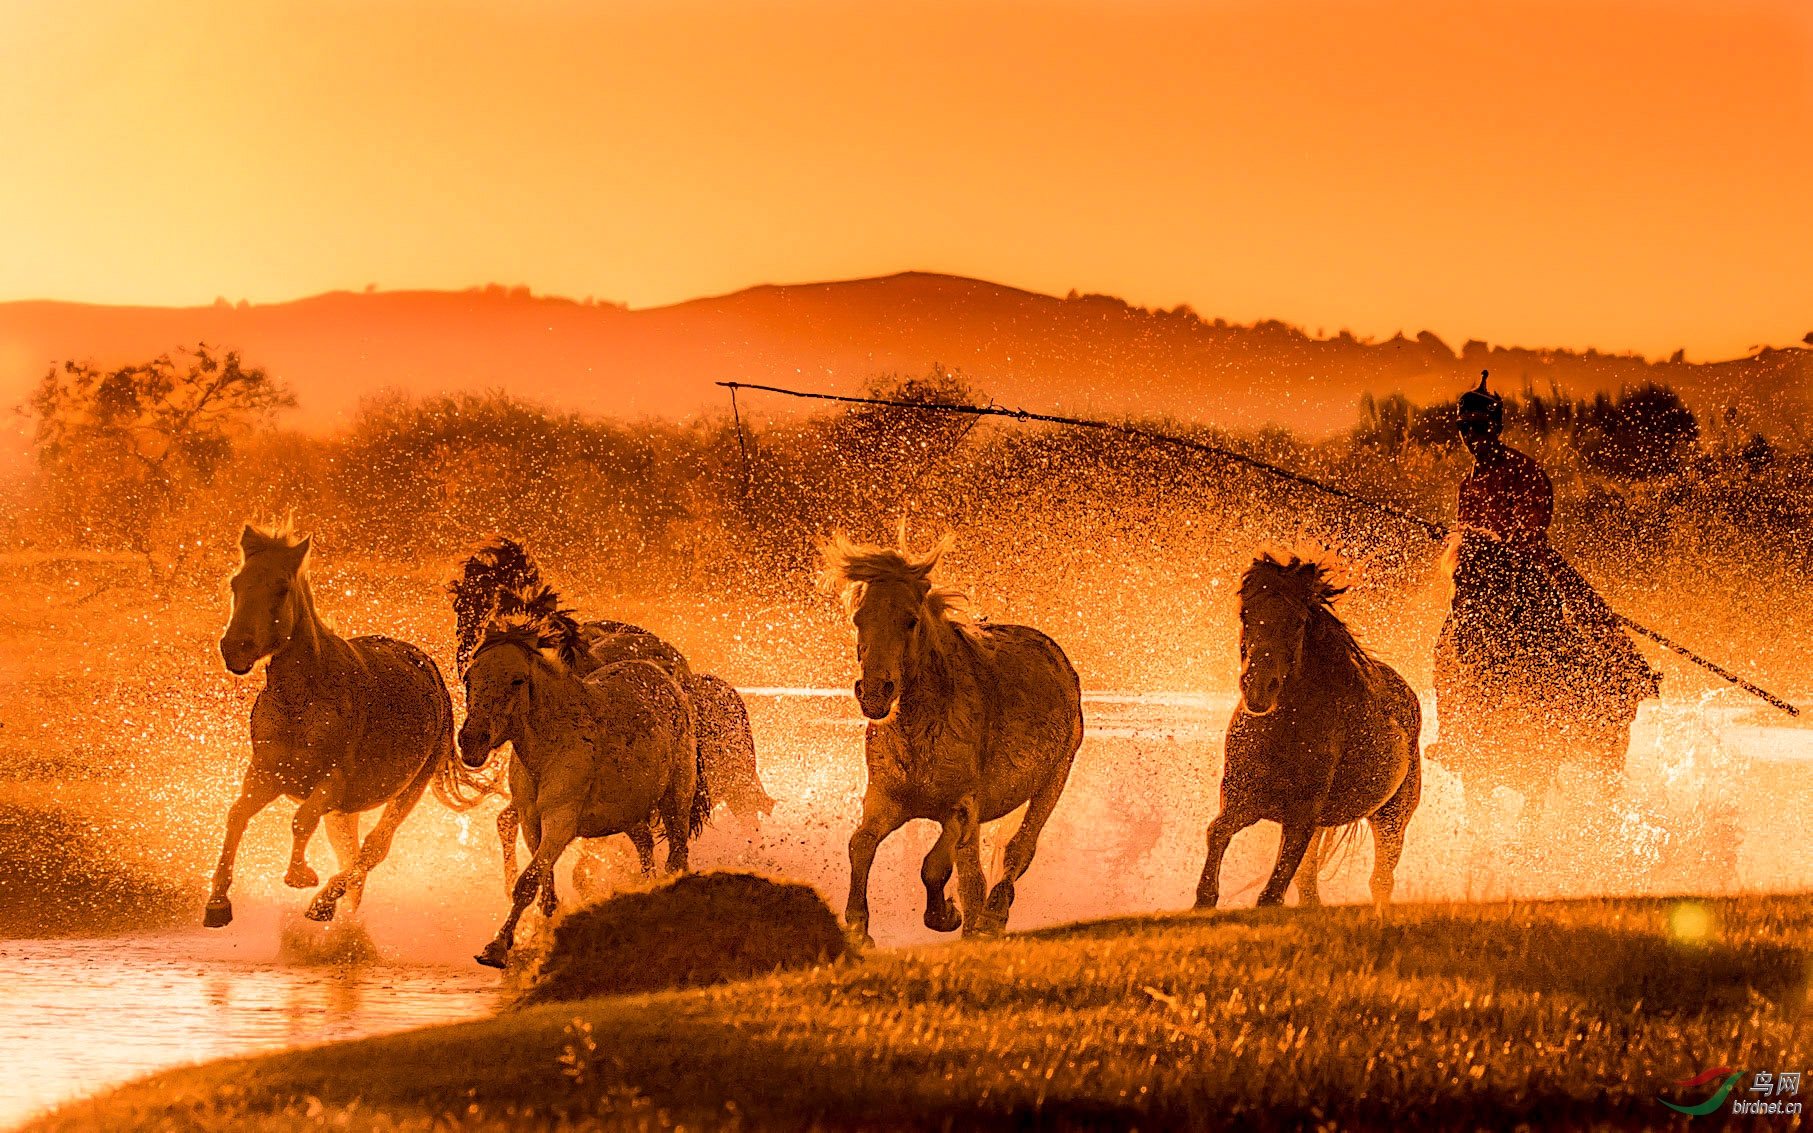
499,579
1314,585
529,634
851,567
278,533
521,612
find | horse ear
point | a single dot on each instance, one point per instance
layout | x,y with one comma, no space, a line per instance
251,540
929,561
299,553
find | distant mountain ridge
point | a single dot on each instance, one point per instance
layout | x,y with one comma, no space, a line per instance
1080,354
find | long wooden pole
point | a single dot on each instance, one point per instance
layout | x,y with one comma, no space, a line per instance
1429,527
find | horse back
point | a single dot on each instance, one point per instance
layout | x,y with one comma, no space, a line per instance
642,740
379,716
608,643
1032,699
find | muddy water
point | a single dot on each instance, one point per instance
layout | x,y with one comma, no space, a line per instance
1711,805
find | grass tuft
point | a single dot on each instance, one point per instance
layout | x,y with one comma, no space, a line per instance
695,930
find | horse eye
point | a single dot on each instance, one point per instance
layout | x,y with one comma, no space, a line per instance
912,624
517,683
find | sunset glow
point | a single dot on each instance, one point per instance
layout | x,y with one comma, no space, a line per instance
1619,175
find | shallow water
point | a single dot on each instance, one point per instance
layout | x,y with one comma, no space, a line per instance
79,1016
1711,805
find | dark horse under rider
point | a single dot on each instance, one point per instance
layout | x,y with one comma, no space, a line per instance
1532,668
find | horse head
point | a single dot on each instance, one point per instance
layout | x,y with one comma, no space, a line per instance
269,594
1277,598
499,683
893,604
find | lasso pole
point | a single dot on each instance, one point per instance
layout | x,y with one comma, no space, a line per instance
1429,527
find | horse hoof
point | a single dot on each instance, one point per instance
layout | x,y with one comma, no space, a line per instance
859,939
495,955
949,920
219,914
320,911
301,877
984,928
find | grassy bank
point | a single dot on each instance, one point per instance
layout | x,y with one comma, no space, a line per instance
1564,1014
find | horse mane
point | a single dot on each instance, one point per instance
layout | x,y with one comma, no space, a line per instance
278,534
530,634
538,608
498,563
852,567
499,578
1316,583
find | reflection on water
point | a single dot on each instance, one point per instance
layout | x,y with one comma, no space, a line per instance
78,1016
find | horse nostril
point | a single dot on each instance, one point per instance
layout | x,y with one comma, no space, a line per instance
887,690
859,690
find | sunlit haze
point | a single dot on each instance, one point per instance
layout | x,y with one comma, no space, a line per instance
1618,175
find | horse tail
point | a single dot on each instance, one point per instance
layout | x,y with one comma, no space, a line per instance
1338,841
459,787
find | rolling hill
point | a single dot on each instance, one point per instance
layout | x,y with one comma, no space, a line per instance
1079,354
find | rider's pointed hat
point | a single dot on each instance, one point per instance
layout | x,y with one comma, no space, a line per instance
1482,402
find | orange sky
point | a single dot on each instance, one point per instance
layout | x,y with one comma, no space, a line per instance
1625,175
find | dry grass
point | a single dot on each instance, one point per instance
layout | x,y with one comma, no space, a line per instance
696,930
1559,1015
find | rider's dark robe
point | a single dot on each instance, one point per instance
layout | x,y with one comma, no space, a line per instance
1514,500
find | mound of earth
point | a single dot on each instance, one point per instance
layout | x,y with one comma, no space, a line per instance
699,928
62,876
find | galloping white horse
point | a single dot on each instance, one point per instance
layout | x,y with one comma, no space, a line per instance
968,723
596,756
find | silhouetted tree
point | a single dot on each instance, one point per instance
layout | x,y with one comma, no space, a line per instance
1640,434
122,448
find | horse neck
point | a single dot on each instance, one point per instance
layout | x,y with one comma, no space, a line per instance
555,701
1331,655
926,672
311,651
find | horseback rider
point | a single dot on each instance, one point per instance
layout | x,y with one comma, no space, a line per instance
1511,498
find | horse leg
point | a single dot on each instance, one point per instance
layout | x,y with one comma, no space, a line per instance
508,822
1299,828
375,847
558,828
880,818
972,883
643,839
343,835
941,913
302,828
257,791
1388,825
675,808
1308,894
1231,821
1022,846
